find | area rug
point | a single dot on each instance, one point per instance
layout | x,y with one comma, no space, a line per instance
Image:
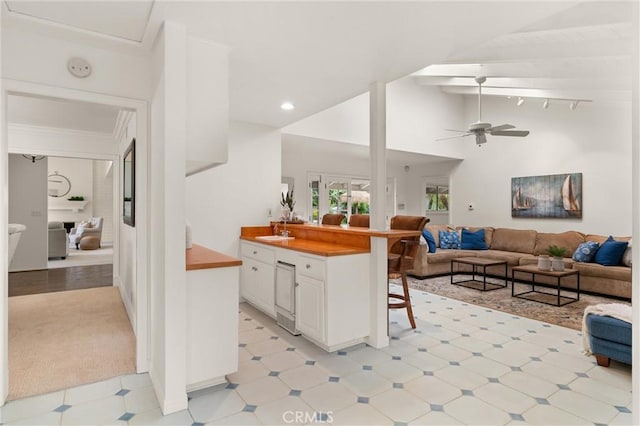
569,315
68,338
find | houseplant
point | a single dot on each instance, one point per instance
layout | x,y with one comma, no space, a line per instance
557,264
287,202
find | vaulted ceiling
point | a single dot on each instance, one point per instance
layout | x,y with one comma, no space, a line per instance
318,54
582,53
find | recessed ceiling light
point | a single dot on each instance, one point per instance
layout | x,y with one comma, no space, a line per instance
287,106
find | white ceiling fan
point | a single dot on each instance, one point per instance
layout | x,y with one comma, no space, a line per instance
481,129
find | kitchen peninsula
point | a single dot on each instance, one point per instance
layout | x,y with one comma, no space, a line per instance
212,317
333,285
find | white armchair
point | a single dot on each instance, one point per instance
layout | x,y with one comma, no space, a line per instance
93,227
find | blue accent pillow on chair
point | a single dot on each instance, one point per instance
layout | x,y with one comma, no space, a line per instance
431,241
610,252
586,251
473,240
449,239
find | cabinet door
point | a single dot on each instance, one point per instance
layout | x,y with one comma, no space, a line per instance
310,308
258,285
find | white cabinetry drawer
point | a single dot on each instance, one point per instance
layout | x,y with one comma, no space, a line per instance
258,252
311,267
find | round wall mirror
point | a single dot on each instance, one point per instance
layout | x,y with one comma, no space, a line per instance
58,185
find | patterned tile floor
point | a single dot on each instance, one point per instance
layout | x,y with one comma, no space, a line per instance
463,365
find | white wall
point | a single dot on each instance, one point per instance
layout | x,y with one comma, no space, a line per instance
79,171
593,139
128,234
28,206
222,199
41,59
416,116
167,242
103,197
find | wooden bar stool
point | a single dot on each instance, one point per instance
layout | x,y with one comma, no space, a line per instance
401,257
359,220
332,219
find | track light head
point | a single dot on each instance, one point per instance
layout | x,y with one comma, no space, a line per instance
545,104
520,101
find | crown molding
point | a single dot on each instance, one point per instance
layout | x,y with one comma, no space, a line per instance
122,121
44,130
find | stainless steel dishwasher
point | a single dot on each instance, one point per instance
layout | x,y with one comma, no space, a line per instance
286,297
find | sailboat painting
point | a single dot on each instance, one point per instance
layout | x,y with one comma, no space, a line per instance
550,196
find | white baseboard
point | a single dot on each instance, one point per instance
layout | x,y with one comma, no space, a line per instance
125,300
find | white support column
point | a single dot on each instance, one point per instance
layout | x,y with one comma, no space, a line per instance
635,226
378,337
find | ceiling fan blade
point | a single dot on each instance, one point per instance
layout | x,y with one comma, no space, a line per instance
456,130
520,133
501,127
453,137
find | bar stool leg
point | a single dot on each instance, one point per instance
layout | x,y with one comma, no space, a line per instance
407,299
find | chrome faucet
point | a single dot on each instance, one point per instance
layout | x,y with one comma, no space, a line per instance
285,233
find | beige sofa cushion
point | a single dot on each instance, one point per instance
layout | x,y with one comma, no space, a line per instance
602,238
445,255
512,258
622,273
434,231
488,232
516,240
569,240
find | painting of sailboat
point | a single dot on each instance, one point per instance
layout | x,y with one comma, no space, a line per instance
550,196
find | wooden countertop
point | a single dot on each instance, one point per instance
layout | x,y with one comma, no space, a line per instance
325,240
319,248
199,257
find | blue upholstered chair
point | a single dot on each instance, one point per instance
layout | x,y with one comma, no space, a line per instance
610,338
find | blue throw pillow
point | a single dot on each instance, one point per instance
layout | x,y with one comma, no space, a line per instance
586,251
449,239
473,240
431,241
610,252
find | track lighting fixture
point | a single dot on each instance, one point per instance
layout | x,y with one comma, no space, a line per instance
573,105
545,104
520,101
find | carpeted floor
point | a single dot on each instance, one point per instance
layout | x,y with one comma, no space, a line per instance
569,315
68,338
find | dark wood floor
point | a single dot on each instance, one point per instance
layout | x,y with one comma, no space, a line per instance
61,279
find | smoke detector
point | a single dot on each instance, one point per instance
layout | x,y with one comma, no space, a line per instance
79,67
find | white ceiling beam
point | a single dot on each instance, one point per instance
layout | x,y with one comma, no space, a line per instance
588,49
556,94
530,83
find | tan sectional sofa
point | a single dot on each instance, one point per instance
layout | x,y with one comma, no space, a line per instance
521,247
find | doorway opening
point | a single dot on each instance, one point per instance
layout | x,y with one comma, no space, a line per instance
124,301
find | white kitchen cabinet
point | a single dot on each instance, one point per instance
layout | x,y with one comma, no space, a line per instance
310,308
333,299
257,276
332,292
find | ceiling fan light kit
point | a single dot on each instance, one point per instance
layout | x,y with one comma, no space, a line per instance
480,129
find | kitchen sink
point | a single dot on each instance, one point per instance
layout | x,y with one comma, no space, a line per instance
274,238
